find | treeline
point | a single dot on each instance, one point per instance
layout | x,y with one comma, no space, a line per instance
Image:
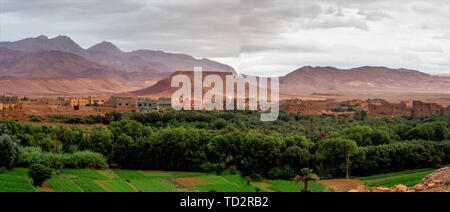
206,141
92,119
25,145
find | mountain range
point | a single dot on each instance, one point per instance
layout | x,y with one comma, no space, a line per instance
362,80
60,67
34,61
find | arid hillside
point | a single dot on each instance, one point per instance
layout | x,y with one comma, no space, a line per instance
359,83
163,87
363,80
41,66
157,63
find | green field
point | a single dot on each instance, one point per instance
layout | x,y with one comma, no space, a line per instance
408,178
289,186
118,186
119,180
15,181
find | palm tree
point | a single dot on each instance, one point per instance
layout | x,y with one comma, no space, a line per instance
306,174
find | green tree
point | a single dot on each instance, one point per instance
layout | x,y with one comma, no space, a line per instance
338,148
39,173
362,135
100,140
69,137
124,151
306,175
8,151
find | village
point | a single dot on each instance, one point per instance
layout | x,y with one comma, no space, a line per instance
373,107
22,108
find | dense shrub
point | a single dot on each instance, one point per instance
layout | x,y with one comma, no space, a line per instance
403,155
39,174
433,131
70,138
86,159
285,172
218,168
232,170
256,177
8,148
100,140
35,119
185,140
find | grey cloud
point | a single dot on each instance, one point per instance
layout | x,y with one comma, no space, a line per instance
202,28
338,23
281,34
297,48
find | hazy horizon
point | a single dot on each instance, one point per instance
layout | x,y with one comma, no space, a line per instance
254,36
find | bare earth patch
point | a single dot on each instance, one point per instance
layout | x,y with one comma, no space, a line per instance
341,184
190,181
46,187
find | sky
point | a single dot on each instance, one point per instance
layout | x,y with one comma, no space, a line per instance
262,37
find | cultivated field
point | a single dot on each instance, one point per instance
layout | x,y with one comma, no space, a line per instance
407,178
120,180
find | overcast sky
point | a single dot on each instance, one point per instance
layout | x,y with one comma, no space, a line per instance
254,36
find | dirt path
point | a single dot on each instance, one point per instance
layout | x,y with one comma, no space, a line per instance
46,187
340,184
132,186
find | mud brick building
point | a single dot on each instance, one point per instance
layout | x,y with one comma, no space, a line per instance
119,104
146,105
93,100
79,102
164,102
428,109
308,107
6,106
357,104
149,105
385,109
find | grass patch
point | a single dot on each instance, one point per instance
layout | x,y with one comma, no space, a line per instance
290,186
393,174
15,180
187,174
83,173
88,185
16,187
227,183
157,175
406,179
152,185
129,174
60,184
118,186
